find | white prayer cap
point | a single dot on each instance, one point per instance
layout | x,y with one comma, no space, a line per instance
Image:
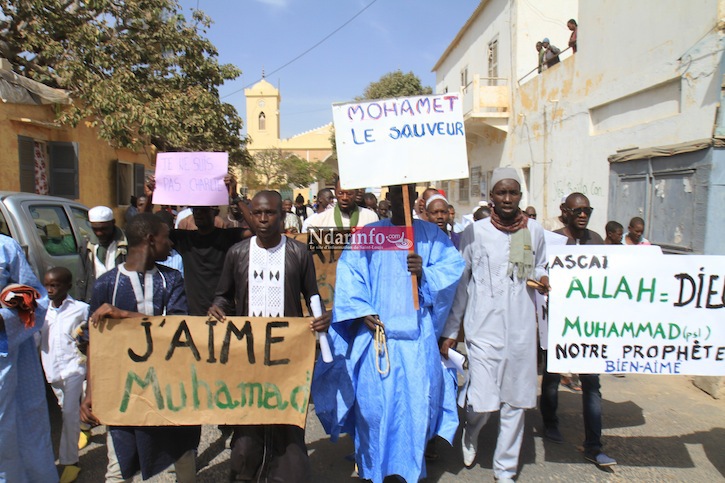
500,174
480,204
99,214
435,197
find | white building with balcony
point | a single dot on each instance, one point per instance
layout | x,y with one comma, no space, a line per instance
629,120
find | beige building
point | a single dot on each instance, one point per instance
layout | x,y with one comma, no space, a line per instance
263,128
44,157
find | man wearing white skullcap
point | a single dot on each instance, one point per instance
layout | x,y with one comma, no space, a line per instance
437,211
107,250
501,252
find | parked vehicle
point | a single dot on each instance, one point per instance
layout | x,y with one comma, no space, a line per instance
51,230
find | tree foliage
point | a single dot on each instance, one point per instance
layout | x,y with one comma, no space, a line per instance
395,84
138,70
275,169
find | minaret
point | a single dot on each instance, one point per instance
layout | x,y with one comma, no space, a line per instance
263,101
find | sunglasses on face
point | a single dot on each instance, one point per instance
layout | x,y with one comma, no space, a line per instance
531,215
578,211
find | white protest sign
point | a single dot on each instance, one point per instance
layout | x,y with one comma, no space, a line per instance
192,179
399,141
635,311
541,301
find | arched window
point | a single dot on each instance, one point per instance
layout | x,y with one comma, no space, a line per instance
262,121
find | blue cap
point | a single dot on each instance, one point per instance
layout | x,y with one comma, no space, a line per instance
545,41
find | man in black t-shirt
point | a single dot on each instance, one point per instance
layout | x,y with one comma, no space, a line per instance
203,252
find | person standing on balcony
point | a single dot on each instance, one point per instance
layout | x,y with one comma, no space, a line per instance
551,53
571,24
542,52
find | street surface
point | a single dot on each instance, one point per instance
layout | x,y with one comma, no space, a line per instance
659,428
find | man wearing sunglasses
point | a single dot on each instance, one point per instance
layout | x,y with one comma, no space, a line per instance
530,211
577,212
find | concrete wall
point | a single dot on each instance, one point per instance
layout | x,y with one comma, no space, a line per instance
535,21
472,48
631,84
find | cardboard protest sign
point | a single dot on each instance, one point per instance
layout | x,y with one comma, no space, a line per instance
398,141
192,179
634,311
184,370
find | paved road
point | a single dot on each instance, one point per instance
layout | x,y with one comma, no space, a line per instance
659,428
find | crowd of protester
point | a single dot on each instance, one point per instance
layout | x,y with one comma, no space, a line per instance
473,286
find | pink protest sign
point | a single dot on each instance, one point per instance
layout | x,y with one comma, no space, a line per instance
193,179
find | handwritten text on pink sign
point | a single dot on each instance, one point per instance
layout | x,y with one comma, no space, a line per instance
194,179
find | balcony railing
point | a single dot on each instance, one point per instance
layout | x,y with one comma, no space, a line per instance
487,100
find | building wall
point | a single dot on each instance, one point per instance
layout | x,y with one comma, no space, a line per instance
632,84
472,48
96,158
263,97
313,145
535,21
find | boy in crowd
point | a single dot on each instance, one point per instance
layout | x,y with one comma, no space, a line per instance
64,365
614,232
137,288
635,231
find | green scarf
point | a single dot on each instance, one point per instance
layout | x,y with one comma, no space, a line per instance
521,258
354,217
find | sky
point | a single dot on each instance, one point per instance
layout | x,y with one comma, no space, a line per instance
388,35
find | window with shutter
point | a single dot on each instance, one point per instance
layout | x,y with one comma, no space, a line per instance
139,176
475,179
63,169
26,157
124,183
463,190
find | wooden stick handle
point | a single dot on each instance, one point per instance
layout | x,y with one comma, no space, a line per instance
409,223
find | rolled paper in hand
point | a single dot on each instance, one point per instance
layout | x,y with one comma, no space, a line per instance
455,360
316,307
535,284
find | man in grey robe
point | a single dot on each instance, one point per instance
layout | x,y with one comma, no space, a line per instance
497,310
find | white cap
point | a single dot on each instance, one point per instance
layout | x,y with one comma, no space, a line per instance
99,214
435,197
500,174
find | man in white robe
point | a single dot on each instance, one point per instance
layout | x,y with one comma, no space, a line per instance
497,310
106,251
344,214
